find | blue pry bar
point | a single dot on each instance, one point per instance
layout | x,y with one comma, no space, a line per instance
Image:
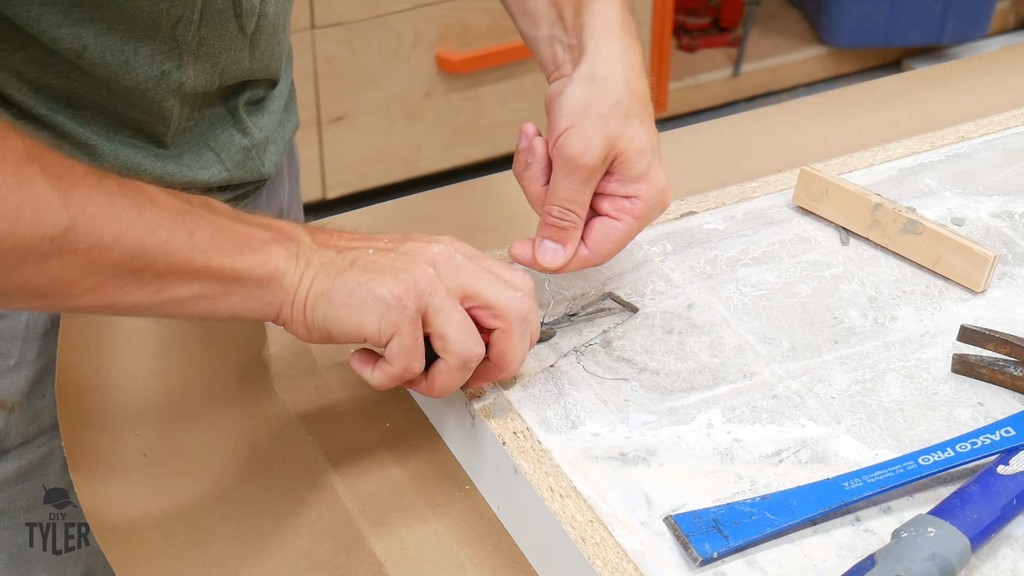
713,533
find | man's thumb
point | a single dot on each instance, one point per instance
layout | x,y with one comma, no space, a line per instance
565,210
561,226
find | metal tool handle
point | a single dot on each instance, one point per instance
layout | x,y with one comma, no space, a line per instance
992,369
992,340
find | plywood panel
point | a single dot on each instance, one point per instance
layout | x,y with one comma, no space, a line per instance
302,15
388,113
333,12
308,136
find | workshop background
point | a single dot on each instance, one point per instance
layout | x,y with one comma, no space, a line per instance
234,448
398,96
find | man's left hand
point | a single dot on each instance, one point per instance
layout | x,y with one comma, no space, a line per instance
597,179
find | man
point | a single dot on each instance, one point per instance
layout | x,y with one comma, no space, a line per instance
130,135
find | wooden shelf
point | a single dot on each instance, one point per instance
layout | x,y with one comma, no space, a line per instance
783,52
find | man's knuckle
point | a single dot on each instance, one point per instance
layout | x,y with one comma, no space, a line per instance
524,283
408,370
469,353
562,217
524,306
577,152
585,162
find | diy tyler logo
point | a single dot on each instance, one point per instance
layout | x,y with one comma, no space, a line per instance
57,535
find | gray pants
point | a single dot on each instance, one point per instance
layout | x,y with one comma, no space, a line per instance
42,530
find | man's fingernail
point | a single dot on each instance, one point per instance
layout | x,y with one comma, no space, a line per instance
523,139
550,253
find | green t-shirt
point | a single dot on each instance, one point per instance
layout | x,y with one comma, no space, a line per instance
186,94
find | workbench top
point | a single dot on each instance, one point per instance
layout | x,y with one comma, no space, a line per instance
232,448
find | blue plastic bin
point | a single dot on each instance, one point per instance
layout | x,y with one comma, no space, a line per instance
898,23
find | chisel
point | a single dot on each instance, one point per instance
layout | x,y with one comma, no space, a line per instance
606,304
712,533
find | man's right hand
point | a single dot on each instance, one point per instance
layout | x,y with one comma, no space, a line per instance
387,291
85,240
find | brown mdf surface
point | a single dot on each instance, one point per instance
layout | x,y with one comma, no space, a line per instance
308,136
183,456
388,113
896,227
783,52
205,448
410,497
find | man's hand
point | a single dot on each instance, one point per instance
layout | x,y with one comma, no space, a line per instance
83,240
388,291
597,179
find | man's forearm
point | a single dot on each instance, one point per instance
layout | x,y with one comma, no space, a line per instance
74,238
561,33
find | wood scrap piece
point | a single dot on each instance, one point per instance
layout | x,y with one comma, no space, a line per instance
896,227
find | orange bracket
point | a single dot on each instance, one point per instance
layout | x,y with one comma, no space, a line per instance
661,52
481,59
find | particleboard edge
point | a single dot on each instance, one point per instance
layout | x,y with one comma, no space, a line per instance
510,481
580,521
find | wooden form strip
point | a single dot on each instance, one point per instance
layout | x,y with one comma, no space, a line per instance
896,227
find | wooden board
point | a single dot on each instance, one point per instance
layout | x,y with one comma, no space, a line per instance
387,113
896,227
